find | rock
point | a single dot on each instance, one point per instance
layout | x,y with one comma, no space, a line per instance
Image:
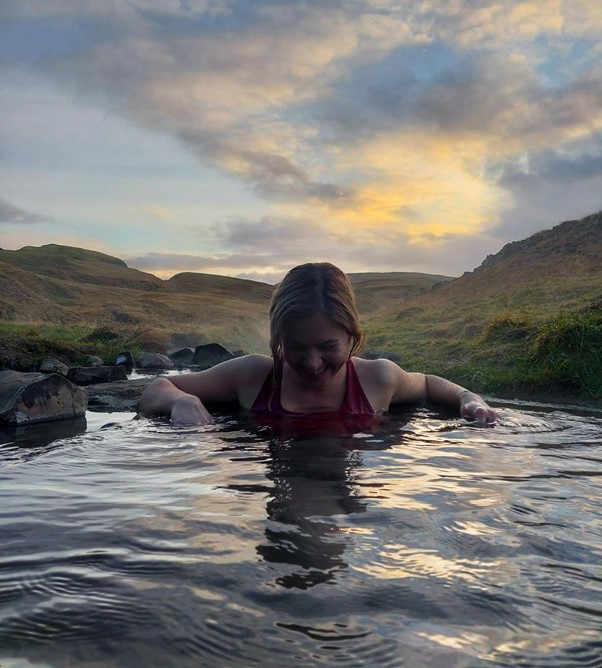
52,365
27,398
125,360
120,396
82,375
154,361
181,357
92,361
210,354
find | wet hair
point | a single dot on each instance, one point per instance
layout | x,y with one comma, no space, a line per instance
315,287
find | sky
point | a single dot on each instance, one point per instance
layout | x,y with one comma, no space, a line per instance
243,137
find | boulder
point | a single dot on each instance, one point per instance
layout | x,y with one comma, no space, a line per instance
52,365
154,361
125,360
181,357
92,361
210,354
83,375
27,398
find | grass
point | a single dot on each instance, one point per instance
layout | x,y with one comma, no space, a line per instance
24,345
568,350
511,351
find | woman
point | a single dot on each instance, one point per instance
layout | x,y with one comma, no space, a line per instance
314,336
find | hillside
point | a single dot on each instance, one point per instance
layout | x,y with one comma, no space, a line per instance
377,292
529,316
69,286
492,320
560,267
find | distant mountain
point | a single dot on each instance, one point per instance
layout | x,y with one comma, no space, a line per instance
551,270
66,285
79,265
407,277
375,292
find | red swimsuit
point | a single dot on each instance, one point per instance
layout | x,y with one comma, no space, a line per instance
355,402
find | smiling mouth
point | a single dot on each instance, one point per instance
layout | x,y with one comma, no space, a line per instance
315,374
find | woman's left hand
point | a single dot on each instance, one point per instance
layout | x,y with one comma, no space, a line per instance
472,406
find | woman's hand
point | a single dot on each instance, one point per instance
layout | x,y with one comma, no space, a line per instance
188,410
162,397
472,406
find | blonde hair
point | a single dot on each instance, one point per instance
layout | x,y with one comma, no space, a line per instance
315,287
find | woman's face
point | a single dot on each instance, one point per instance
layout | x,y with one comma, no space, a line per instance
315,348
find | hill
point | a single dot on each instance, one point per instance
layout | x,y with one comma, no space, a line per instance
495,321
70,286
528,316
376,292
560,267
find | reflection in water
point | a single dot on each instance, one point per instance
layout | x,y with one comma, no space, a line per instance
313,484
421,540
28,441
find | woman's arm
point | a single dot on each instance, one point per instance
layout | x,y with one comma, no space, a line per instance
405,387
470,404
181,397
162,397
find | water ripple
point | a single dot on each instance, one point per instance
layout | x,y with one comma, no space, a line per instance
425,540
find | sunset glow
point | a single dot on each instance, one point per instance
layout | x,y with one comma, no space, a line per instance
243,138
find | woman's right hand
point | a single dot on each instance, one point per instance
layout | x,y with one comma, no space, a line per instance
188,410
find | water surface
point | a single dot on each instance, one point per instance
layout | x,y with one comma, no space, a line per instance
422,540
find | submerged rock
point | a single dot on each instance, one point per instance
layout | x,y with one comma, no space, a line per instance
154,361
117,397
27,398
83,375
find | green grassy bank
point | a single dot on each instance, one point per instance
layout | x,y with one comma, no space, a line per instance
510,353
513,353
24,345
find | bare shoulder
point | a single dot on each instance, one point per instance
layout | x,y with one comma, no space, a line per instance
250,375
379,370
252,364
386,382
233,379
378,379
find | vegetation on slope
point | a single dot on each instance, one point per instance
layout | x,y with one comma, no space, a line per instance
529,319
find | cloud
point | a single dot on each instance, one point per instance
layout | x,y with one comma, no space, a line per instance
411,126
242,233
229,94
13,215
168,264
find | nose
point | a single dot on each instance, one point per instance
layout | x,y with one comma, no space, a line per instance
312,361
